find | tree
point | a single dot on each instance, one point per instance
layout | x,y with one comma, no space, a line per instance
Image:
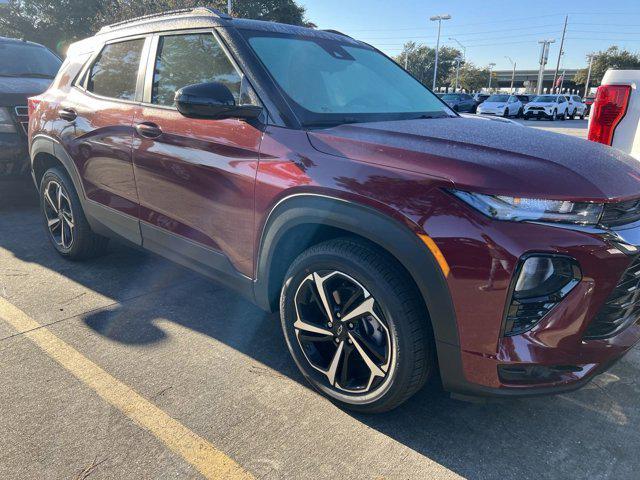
57,23
471,78
613,57
421,61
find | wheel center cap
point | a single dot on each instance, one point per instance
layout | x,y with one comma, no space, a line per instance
339,330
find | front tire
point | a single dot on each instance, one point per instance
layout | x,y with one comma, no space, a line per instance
355,326
64,220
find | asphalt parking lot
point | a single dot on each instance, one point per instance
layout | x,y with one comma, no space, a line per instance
130,367
575,127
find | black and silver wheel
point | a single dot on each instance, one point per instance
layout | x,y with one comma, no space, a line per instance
354,326
64,219
58,213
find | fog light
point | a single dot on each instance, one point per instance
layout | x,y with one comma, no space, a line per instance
540,283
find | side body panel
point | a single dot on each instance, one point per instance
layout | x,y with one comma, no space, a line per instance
196,180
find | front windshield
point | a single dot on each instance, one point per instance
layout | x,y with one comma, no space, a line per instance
27,60
330,80
545,99
451,97
498,98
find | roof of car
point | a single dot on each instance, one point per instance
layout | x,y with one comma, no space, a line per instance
201,17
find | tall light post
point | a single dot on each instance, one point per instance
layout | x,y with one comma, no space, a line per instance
544,57
513,73
586,85
229,7
458,60
561,52
491,65
464,49
439,19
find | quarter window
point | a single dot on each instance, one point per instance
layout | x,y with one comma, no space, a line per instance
114,74
189,59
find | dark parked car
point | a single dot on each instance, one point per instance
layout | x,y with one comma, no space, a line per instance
309,172
460,102
588,101
480,97
26,69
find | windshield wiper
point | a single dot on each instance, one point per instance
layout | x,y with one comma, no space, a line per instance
332,123
27,74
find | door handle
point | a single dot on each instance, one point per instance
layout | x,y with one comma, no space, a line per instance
148,130
68,114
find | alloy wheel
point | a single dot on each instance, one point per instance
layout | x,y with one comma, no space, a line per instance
343,334
59,214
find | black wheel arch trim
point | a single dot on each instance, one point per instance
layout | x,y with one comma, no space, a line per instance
388,233
102,219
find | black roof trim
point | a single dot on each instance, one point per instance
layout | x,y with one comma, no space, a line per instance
183,12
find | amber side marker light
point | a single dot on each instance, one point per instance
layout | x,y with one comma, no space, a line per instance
433,248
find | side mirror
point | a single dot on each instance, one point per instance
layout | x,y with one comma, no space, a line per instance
212,100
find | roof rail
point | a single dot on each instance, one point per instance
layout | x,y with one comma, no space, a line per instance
194,11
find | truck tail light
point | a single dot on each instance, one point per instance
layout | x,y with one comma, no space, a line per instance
609,108
33,103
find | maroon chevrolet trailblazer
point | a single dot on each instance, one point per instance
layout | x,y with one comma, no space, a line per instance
311,173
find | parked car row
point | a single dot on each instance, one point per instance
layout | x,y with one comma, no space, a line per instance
527,106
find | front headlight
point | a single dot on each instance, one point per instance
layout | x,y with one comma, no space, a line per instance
519,209
6,124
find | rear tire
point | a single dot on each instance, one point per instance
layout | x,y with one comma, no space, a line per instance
64,220
323,288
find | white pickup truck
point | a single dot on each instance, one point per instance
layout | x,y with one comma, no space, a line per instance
615,114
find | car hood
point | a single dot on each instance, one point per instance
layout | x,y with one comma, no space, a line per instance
490,157
492,104
15,91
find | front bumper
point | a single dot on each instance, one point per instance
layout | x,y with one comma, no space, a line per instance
490,111
14,157
483,259
537,114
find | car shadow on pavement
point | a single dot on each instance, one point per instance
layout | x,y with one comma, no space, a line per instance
592,433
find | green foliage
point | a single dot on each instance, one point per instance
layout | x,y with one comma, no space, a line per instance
57,23
613,57
421,60
472,78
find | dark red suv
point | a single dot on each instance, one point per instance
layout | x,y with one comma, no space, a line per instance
310,172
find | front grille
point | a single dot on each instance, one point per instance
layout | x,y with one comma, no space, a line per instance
621,213
622,308
21,114
536,108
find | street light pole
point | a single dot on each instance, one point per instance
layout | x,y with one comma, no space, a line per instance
586,86
458,59
544,57
491,65
513,73
464,49
437,18
229,7
564,32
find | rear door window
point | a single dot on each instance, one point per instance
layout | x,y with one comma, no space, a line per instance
114,73
189,59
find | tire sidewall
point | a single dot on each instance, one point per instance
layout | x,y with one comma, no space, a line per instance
388,304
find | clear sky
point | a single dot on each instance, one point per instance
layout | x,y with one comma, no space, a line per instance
490,29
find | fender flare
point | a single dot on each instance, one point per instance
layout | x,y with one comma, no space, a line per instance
381,229
102,219
45,144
